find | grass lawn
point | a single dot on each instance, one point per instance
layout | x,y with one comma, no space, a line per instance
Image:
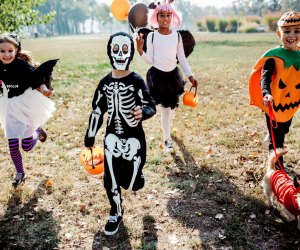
206,196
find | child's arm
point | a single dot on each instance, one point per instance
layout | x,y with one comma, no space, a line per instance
44,90
184,63
265,81
96,118
147,109
147,57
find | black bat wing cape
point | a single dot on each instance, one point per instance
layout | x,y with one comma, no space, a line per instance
43,73
188,40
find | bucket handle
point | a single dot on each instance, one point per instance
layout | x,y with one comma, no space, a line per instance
195,90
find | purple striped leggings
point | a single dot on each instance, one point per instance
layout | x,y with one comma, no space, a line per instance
14,149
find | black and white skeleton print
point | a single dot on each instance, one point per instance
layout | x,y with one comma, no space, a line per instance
124,142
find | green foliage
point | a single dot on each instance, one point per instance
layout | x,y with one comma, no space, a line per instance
271,20
200,26
233,24
249,28
253,19
211,24
16,14
223,23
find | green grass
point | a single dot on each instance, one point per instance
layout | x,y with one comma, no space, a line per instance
218,149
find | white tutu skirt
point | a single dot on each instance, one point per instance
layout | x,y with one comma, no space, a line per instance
22,115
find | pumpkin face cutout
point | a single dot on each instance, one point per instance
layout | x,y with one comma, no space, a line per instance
190,99
285,89
93,160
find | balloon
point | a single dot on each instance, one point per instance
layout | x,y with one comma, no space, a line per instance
120,9
93,160
137,16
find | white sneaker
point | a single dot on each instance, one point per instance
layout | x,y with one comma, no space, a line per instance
168,146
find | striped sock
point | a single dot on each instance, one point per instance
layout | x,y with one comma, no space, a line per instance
29,143
15,154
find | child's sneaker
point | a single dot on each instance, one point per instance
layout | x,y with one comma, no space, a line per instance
168,146
43,135
112,225
20,177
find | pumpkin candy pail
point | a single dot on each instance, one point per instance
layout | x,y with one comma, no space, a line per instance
93,160
190,98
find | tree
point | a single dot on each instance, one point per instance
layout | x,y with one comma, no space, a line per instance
288,5
16,14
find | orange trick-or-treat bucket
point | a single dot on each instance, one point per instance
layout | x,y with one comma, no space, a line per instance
190,98
93,160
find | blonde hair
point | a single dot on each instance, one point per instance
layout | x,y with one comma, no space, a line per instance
13,39
168,7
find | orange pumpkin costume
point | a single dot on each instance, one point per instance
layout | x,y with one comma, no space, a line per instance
285,85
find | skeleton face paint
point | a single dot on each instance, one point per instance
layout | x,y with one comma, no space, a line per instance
120,50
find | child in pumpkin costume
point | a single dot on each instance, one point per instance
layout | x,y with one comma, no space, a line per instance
275,79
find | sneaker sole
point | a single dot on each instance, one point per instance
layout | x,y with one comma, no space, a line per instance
169,150
113,232
15,185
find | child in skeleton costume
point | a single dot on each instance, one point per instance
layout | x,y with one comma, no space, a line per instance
164,78
275,80
125,97
24,106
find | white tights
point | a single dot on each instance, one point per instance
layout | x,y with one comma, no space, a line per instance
166,121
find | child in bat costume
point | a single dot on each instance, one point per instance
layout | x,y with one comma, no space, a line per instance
24,106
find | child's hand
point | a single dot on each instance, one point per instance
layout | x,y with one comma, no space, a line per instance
193,81
267,99
44,90
140,44
137,113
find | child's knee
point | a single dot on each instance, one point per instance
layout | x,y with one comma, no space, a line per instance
139,183
26,149
27,145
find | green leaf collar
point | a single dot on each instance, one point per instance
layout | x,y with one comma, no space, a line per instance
290,57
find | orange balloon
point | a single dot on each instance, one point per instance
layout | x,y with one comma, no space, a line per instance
120,9
93,161
190,99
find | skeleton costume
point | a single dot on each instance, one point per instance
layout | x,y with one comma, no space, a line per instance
124,142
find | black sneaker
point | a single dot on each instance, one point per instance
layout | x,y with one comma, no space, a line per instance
112,225
20,177
43,135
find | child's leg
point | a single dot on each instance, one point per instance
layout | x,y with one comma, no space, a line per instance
279,135
115,201
116,211
29,143
166,121
15,154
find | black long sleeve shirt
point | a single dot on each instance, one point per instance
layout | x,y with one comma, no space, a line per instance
266,76
17,77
